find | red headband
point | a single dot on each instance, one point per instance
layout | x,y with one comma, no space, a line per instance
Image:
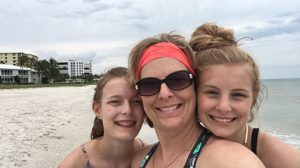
163,49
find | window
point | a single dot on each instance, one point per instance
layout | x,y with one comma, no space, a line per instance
6,72
22,72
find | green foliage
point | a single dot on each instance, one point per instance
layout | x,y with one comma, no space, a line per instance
88,78
47,70
61,78
25,61
17,79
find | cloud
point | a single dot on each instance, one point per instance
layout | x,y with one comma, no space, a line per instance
104,30
281,24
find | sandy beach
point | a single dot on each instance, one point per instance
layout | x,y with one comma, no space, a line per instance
40,126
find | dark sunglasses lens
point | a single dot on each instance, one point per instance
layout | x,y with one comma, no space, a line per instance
179,80
148,86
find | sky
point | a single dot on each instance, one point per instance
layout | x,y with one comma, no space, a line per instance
104,31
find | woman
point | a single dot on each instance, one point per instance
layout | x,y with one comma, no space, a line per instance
163,69
229,92
119,117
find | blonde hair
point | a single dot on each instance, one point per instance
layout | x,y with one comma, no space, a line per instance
216,45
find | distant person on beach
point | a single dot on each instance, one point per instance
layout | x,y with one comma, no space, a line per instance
230,91
119,117
163,68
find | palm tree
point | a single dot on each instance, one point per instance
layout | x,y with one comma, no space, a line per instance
53,69
37,65
22,61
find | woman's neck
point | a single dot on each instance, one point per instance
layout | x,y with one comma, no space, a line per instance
175,145
175,140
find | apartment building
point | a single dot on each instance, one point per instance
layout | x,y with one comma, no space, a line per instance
8,74
12,58
75,67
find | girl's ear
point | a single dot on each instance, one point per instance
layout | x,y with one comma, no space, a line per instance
97,110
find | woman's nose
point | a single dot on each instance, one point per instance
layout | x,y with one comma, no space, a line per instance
165,92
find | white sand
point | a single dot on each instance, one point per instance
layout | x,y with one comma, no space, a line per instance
40,126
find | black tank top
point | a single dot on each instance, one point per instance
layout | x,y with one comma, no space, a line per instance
254,137
193,156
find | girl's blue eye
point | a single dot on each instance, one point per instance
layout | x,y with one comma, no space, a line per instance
239,95
211,93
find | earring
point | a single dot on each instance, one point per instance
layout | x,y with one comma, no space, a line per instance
98,116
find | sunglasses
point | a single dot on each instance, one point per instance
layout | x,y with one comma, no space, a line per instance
176,81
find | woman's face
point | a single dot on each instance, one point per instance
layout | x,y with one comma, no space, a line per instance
121,110
168,108
225,97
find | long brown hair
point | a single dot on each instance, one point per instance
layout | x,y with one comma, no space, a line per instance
116,72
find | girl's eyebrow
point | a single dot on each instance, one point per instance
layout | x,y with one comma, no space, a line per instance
114,97
209,86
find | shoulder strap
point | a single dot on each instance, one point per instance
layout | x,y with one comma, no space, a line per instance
148,156
193,156
254,139
85,156
142,143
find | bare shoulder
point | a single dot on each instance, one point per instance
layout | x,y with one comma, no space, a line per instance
139,155
236,155
276,153
74,159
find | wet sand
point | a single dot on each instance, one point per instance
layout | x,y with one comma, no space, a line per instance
40,126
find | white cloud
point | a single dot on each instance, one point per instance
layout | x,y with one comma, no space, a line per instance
105,30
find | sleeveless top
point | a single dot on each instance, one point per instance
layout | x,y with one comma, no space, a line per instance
83,149
85,156
193,156
254,137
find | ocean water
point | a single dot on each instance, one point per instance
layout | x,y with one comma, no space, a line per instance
279,113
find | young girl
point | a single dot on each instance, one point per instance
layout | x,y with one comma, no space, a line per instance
119,117
229,91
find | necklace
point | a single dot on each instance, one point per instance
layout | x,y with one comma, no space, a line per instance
169,164
246,136
173,160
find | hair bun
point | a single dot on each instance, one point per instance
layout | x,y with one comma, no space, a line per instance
210,35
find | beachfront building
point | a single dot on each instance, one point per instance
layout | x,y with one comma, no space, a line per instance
75,68
12,58
16,74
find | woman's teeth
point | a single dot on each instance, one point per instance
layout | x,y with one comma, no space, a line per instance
170,108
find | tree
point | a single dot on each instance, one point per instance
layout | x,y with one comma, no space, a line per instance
17,79
31,62
22,61
54,73
88,78
41,68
